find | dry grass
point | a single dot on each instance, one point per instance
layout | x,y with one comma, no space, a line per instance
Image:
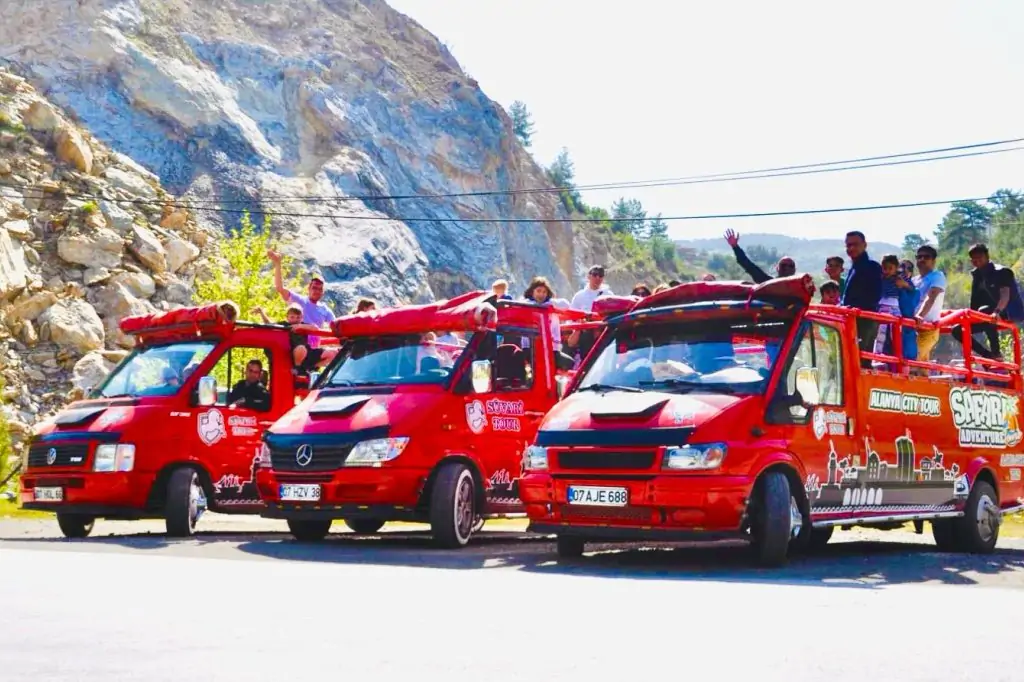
13,510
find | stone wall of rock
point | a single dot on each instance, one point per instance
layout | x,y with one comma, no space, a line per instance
86,238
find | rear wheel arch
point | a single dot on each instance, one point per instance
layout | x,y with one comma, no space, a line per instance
478,480
985,473
158,492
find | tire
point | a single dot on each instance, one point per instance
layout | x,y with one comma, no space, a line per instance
364,526
185,502
453,506
772,523
977,531
307,530
813,539
943,532
569,547
75,525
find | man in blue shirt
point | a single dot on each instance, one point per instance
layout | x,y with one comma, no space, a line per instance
863,290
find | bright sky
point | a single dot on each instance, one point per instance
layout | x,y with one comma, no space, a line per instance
651,89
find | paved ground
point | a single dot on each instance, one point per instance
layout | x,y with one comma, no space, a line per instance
246,603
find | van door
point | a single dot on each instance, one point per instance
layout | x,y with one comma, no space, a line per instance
505,420
822,437
229,437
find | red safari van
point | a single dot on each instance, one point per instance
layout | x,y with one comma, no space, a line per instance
158,439
422,416
729,410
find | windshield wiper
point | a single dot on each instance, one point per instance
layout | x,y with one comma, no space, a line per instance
610,387
690,385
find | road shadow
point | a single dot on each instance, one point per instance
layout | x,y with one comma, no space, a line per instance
858,564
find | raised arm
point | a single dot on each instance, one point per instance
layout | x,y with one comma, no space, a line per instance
753,269
275,258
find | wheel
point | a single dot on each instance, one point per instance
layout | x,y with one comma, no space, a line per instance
977,530
75,525
943,532
306,530
775,517
453,506
813,539
478,525
569,547
364,526
186,502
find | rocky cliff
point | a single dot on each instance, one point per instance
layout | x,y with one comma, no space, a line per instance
252,103
86,238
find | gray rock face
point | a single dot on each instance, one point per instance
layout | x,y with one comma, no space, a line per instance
13,269
90,371
101,248
74,324
332,98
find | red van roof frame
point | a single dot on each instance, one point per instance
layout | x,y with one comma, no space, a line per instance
799,288
471,311
177,324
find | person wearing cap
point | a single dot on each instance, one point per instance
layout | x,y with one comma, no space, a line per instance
585,297
314,310
786,267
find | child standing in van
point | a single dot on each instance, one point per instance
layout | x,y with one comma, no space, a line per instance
899,298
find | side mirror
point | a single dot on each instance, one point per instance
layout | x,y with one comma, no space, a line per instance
207,391
807,384
561,383
481,375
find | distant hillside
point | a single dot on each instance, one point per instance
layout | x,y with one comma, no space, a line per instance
810,254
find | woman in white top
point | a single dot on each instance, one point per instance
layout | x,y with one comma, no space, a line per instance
540,291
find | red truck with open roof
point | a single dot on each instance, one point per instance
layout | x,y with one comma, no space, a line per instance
157,438
422,416
729,410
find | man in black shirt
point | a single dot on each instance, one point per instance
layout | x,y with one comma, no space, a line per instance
250,392
994,292
863,290
786,267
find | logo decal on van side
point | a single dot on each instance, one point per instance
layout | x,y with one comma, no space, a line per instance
985,419
211,427
475,417
904,403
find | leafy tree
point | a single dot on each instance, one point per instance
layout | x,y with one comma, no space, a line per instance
663,251
562,173
629,217
657,229
726,267
911,243
1007,226
966,223
248,277
522,122
765,256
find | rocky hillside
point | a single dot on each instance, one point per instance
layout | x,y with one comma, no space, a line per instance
257,102
86,238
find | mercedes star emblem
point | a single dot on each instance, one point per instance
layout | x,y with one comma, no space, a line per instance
304,455
51,456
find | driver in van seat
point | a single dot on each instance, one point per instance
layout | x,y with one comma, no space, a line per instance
250,392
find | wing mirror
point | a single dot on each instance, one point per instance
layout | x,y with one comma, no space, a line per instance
207,391
480,371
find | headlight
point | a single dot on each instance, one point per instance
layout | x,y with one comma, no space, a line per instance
263,462
114,457
372,453
535,458
688,457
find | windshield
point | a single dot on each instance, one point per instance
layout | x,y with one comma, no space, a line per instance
159,370
427,358
729,356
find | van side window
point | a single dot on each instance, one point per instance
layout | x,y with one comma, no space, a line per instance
230,371
513,361
820,350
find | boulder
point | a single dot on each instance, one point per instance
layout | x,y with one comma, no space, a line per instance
180,253
93,276
130,182
118,218
101,248
139,284
174,219
28,333
74,150
13,269
19,229
29,307
148,249
41,116
90,371
74,324
115,302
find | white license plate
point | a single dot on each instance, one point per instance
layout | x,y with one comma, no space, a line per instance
598,496
307,492
49,494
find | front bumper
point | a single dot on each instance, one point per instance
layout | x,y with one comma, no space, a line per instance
106,494
690,505
390,493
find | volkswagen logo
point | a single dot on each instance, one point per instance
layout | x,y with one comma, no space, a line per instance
51,456
304,455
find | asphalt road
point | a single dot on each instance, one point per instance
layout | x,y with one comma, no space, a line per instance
249,605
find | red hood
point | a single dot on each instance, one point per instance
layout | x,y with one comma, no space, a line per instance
89,416
650,409
327,413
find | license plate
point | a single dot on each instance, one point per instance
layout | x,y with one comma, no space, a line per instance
49,494
596,496
300,492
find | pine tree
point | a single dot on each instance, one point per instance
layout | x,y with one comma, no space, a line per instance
522,122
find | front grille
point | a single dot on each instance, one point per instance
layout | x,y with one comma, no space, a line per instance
591,461
65,455
324,458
